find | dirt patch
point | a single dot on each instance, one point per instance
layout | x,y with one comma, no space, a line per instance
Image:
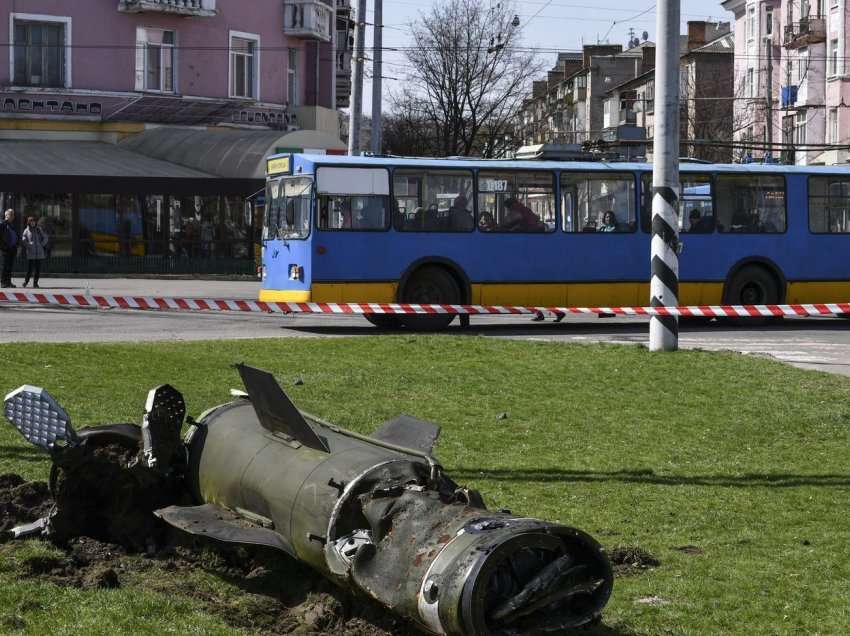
104,498
631,560
21,501
273,593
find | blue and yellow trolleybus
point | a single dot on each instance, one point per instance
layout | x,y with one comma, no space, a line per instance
542,233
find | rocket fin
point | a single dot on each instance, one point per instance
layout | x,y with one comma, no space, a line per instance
409,432
215,522
275,410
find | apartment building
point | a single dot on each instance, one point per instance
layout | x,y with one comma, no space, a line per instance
568,106
815,93
137,129
757,75
706,95
795,79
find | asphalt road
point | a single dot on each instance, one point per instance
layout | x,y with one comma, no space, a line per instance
815,343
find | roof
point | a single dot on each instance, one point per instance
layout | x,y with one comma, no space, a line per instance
723,44
635,80
225,153
578,166
85,159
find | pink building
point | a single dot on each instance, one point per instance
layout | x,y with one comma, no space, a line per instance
756,123
264,63
816,97
136,131
800,45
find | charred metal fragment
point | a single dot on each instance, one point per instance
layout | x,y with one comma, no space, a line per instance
376,515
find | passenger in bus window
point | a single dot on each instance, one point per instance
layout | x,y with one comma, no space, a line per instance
700,224
741,221
460,218
486,222
609,222
371,216
417,221
521,219
773,222
756,224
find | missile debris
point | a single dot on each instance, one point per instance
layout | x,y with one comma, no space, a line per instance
376,515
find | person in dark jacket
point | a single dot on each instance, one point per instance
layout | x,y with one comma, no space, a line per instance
8,246
35,244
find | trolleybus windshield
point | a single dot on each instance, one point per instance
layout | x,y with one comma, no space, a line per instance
288,216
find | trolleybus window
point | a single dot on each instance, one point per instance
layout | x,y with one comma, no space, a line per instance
696,204
751,204
288,215
516,201
598,202
358,212
433,200
829,205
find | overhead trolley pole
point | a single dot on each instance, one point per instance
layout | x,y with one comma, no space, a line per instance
356,109
377,72
664,288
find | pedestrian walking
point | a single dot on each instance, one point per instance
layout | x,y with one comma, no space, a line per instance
8,246
35,243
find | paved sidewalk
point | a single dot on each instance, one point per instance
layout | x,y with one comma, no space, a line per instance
149,287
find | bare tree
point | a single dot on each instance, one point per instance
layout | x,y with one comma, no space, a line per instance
467,76
711,121
408,133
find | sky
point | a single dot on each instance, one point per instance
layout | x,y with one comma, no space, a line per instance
559,24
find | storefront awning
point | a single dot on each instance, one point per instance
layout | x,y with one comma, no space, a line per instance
227,153
86,159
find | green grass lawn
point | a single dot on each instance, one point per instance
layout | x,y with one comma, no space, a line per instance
744,458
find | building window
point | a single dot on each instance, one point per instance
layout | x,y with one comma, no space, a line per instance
39,51
768,22
155,57
291,78
751,23
802,64
750,83
244,65
833,57
833,126
800,128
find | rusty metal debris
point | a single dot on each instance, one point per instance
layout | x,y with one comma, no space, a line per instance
376,515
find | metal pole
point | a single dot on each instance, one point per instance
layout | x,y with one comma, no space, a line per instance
357,85
377,71
768,40
664,288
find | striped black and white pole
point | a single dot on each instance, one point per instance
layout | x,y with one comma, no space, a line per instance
664,288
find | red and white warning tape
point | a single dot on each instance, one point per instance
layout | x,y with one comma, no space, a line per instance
256,306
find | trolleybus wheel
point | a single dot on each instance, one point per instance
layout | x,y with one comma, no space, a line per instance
430,285
753,285
384,321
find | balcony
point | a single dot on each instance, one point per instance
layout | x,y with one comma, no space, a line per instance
307,20
806,32
628,117
197,8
